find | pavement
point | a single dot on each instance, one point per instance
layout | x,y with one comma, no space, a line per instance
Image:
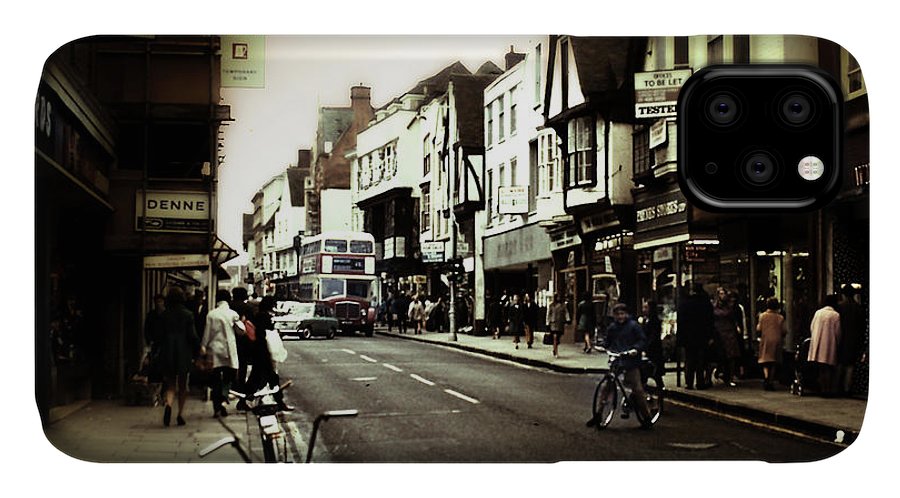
110,431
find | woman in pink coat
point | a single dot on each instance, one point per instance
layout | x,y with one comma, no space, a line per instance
771,336
825,336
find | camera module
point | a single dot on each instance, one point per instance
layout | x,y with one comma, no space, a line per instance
722,109
759,168
797,109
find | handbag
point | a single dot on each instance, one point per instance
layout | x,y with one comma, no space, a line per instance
548,339
276,346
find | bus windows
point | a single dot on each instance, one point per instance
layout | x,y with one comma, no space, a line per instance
361,247
335,245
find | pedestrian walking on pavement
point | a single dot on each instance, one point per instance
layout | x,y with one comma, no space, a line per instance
695,335
178,349
557,316
530,313
220,344
516,317
823,346
401,310
416,314
245,311
586,322
390,307
771,341
494,318
851,349
727,339
652,325
264,371
154,335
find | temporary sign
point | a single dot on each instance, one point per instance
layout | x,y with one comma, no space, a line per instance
656,93
243,61
172,261
513,200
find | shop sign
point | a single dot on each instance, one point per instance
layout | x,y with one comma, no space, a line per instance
243,61
432,252
656,92
668,209
171,261
419,279
513,200
659,132
389,248
172,211
663,254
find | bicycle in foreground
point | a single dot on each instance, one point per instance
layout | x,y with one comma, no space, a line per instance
263,405
274,445
612,394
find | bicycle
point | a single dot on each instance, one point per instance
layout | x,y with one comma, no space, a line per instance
612,387
263,405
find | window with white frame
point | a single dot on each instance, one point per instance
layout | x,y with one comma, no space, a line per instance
512,110
426,159
513,166
500,116
489,204
537,74
581,151
489,126
548,163
426,209
390,160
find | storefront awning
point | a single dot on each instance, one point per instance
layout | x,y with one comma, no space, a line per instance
221,252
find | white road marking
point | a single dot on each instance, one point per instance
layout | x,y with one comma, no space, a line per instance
373,360
392,367
422,379
461,396
364,379
349,351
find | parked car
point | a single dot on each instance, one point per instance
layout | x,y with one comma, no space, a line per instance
306,319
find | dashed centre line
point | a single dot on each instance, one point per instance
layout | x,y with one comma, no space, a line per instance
372,360
461,396
349,351
423,380
392,367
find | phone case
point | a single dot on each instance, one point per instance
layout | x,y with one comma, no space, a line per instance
434,195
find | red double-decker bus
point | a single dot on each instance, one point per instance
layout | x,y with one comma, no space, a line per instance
339,267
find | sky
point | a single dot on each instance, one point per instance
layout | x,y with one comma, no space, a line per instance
305,72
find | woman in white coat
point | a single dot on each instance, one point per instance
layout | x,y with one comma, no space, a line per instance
825,335
220,346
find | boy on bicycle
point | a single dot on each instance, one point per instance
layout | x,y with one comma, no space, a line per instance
626,337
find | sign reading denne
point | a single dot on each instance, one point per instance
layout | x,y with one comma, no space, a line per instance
656,93
172,211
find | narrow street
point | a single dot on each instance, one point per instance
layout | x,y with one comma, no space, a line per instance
426,403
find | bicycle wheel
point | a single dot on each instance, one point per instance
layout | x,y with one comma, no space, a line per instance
605,402
654,397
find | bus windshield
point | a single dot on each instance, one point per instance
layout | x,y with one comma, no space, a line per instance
358,288
331,287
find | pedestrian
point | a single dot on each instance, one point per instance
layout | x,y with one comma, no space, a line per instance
728,349
241,306
695,335
851,349
220,344
824,340
530,312
652,325
390,313
557,316
264,371
416,314
178,349
586,322
402,312
516,319
154,335
495,317
771,341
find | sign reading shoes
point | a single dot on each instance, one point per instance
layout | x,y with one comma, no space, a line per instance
172,211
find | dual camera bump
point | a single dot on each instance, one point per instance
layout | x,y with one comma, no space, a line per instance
762,136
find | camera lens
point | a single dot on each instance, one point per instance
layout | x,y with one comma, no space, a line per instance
759,168
722,109
797,109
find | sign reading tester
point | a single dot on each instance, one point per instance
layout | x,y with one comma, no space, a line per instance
170,211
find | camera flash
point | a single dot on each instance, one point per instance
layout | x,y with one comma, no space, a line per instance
811,168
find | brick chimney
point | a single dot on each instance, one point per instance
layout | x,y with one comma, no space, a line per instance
513,58
360,102
304,158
